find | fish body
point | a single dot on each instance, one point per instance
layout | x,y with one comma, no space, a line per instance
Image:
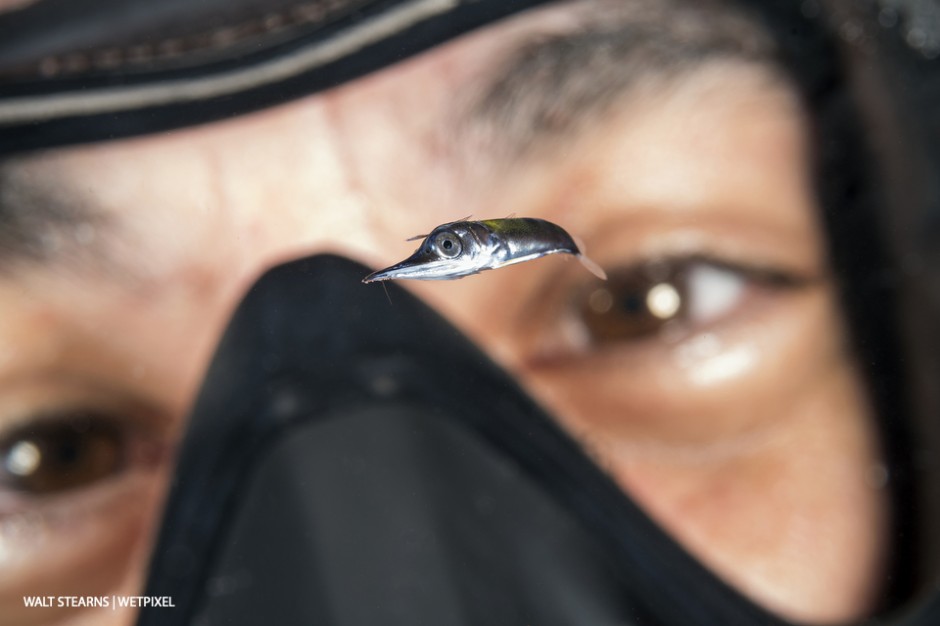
464,248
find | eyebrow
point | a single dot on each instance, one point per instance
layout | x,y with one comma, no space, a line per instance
42,220
551,85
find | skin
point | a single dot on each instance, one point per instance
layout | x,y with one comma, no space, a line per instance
748,436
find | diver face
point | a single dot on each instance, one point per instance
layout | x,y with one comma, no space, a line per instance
709,375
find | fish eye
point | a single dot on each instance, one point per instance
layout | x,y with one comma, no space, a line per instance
61,455
447,244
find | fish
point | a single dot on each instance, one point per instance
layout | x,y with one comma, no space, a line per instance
464,248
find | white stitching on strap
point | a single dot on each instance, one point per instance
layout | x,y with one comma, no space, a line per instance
215,39
116,99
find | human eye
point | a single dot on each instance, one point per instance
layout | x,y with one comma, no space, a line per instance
661,349
65,452
76,476
669,298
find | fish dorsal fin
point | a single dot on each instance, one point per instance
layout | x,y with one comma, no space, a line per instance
417,237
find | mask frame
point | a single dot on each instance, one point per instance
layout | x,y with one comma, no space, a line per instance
310,343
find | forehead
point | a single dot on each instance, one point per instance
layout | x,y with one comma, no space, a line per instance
455,120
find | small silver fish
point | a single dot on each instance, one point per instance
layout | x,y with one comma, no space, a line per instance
463,248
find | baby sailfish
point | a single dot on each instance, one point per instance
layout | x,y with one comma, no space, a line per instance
459,249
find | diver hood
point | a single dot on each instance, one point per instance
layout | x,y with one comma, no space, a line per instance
353,459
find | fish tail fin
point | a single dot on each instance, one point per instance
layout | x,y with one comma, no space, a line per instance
592,267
